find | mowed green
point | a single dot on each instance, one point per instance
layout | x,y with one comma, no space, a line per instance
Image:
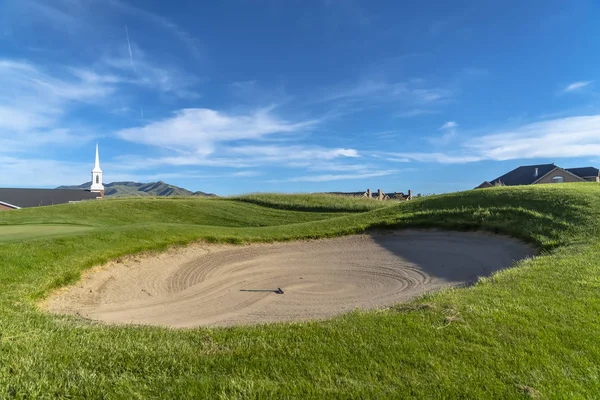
29,231
532,330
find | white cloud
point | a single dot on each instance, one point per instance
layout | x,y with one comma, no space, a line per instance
413,92
280,153
249,156
35,101
148,74
396,159
137,163
449,135
26,82
566,137
246,174
198,130
16,119
129,48
428,95
449,125
433,158
577,86
17,172
557,138
198,175
190,42
333,166
92,16
337,177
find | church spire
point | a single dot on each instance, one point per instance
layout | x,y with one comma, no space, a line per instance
97,164
97,176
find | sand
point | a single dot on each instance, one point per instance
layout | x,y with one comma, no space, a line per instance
217,285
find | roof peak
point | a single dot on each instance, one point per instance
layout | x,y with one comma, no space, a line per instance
537,165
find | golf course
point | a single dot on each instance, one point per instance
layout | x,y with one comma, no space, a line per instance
529,329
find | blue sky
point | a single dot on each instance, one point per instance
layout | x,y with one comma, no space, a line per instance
296,96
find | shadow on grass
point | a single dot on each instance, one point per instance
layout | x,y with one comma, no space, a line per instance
298,207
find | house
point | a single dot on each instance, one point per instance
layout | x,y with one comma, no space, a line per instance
543,173
15,198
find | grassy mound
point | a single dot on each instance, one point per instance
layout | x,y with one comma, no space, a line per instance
186,210
314,202
527,331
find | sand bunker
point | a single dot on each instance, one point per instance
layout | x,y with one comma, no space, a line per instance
206,285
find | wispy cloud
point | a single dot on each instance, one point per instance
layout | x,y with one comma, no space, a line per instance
245,174
449,134
557,138
149,74
34,103
37,103
173,28
253,92
575,86
196,175
450,125
337,177
416,112
312,158
197,130
279,153
441,158
19,172
379,90
129,48
336,167
68,14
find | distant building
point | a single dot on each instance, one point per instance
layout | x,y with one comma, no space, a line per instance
97,186
543,173
15,198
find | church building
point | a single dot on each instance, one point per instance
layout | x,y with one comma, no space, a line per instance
16,198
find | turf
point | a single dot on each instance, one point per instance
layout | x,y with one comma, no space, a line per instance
533,330
194,211
29,231
311,202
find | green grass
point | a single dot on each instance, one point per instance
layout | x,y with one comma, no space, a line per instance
529,330
314,202
187,210
21,232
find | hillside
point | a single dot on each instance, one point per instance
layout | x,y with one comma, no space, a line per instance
136,189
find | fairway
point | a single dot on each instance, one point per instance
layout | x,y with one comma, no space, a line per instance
232,285
21,232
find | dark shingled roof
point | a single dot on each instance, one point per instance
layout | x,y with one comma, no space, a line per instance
584,172
25,198
524,175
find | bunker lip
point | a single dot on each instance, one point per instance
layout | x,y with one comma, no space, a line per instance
218,285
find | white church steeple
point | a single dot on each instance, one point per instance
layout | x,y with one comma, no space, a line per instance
97,176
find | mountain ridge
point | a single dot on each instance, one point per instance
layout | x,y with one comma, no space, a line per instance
129,188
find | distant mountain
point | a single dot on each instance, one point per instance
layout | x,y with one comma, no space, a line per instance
132,189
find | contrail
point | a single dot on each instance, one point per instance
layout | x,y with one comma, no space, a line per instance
142,112
129,46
